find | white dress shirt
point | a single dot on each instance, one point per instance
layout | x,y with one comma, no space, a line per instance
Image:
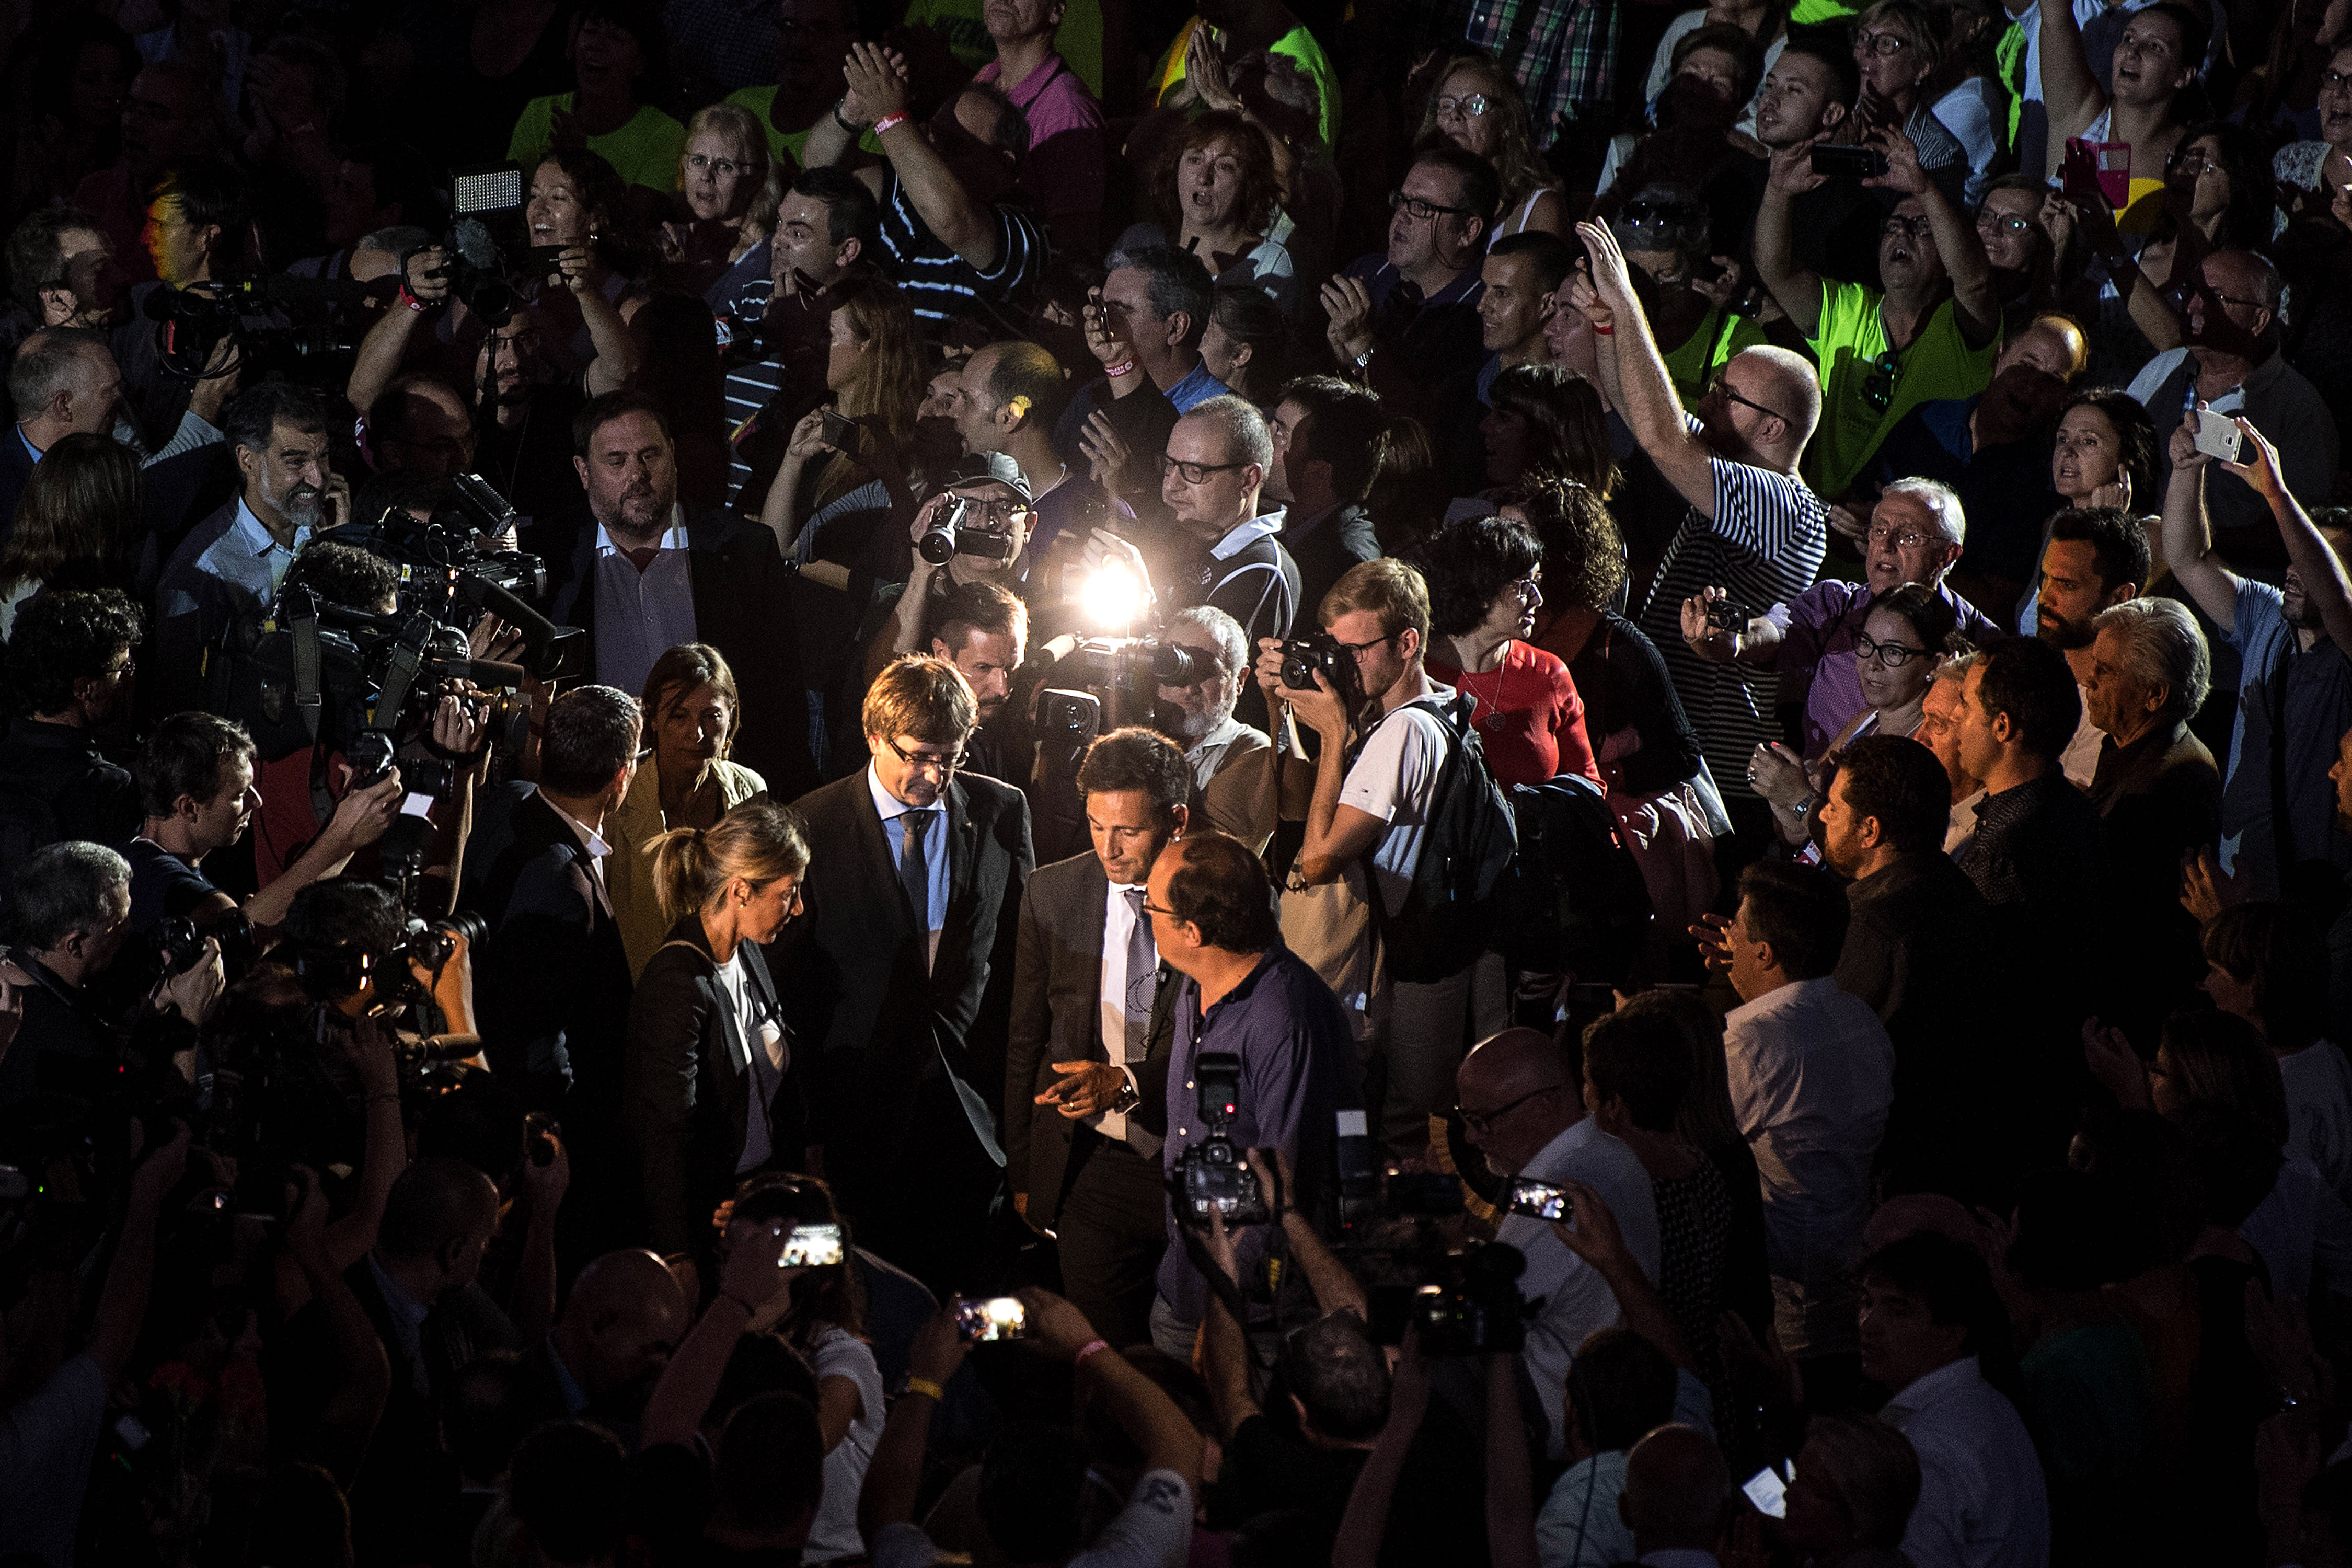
1982,1500
593,842
1811,1074
1576,1300
1110,999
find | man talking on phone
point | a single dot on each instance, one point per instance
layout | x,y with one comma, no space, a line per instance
234,559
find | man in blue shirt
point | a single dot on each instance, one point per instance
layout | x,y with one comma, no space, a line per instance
63,382
1148,321
1212,922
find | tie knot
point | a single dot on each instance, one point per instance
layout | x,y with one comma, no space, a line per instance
1135,899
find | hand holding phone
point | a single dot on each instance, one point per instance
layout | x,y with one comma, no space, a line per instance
1856,163
1768,1492
1541,1200
981,1321
2218,435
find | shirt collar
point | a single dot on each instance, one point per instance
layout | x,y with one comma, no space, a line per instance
1795,993
1941,1384
30,450
1227,728
402,1306
1248,533
589,839
255,535
673,538
1025,91
1197,387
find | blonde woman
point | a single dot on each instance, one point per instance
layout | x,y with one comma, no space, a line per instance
692,717
1477,106
731,189
712,1090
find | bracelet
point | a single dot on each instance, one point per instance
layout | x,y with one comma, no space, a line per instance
1087,1349
1604,330
889,123
411,301
846,125
926,1387
1124,367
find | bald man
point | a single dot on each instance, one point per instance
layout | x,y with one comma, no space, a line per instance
1676,1488
625,1316
1527,1120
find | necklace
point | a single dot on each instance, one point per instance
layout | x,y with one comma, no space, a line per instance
1493,720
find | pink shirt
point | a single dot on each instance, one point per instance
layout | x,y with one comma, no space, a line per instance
1063,175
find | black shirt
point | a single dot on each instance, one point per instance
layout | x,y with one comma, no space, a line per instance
56,764
162,886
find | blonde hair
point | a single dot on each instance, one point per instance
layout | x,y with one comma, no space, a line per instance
742,127
758,841
680,670
1521,168
1390,590
887,389
923,696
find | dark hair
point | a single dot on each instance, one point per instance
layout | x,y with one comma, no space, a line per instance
1928,613
345,912
53,53
2195,36
1623,1388
1550,255
2278,950
1951,1279
1802,911
1568,428
36,256
977,606
1482,188
598,187
1643,1056
1468,562
2246,220
2219,1059
436,1200
1898,781
184,756
569,1487
850,210
2136,443
346,575
2070,1224
2147,1160
66,637
602,410
254,415
642,22
1845,76
1261,187
403,178
833,1294
593,733
487,1413
1222,888
1176,281
760,1363
1583,552
1736,42
211,192
1140,758
1030,1482
1028,370
1336,1371
1347,426
2031,681
771,1467
1249,316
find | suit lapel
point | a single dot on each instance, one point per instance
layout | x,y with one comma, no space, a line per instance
874,849
962,835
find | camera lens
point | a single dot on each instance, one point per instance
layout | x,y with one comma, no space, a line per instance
1173,664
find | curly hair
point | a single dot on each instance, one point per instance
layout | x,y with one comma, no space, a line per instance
1517,164
1469,563
1260,188
63,638
1584,553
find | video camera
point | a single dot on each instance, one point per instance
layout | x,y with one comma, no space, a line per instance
1106,682
1471,1306
191,323
950,536
494,280
1213,1177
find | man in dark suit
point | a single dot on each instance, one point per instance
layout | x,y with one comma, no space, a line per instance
641,573
1085,1076
915,875
554,994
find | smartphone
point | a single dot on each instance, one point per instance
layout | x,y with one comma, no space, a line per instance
2112,159
1869,726
812,1247
1860,163
839,431
995,1318
1768,1492
2218,435
1540,1199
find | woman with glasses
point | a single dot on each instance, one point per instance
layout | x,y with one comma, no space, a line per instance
1485,579
2218,182
1906,635
1217,196
731,189
2024,225
1479,106
712,1090
1897,47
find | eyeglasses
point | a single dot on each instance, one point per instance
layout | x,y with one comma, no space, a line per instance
2182,164
2005,223
1479,1121
1908,539
1722,383
1152,908
1195,473
1361,649
725,168
1893,655
1529,589
928,759
1879,390
1469,106
1886,46
1422,211
999,511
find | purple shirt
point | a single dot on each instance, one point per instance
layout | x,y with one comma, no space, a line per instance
1817,632
1063,173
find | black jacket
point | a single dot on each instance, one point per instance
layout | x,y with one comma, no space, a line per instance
90,797
1325,551
689,1103
745,601
1056,1017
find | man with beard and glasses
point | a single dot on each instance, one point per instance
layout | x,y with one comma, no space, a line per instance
642,573
1232,798
233,560
2097,557
2294,694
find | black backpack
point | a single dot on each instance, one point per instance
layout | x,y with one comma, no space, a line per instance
1577,902
1464,862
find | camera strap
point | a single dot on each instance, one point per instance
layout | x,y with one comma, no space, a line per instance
310,684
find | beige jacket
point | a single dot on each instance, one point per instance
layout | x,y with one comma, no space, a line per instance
632,832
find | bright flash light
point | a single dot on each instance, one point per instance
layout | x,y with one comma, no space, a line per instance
1112,595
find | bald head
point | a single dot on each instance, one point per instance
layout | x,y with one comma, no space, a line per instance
625,1316
1515,1097
1793,391
1676,1486
1513,1063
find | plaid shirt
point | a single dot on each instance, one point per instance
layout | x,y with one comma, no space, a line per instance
1565,55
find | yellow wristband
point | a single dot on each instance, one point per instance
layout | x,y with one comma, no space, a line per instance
926,1387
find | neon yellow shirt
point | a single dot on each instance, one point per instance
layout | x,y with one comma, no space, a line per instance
1079,42
1718,337
1299,44
783,144
645,151
1849,344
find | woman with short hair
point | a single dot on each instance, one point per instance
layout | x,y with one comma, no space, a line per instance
731,189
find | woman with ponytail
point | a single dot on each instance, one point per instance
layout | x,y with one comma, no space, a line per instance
712,1092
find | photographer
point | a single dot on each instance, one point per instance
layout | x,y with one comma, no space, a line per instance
989,543
70,661
196,779
199,231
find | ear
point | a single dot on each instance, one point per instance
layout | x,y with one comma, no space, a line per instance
849,250
939,649
579,466
1179,327
56,299
2121,592
1241,356
1180,817
1256,475
1871,832
1833,116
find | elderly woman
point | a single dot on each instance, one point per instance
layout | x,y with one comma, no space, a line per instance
731,189
692,716
1897,47
1484,578
1216,194
1479,106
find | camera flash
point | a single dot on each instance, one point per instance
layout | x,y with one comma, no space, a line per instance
1111,596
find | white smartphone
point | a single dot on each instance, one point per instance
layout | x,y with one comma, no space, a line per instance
2218,435
1768,1492
812,1247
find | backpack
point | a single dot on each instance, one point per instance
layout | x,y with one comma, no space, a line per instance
1466,847
1577,902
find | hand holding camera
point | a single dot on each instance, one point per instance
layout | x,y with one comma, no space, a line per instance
362,814
193,991
751,1274
1299,673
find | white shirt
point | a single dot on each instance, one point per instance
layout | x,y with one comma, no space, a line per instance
1579,1525
1576,1300
2319,1111
890,808
1110,999
1395,778
1982,1500
593,842
2302,1231
838,1353
1812,1075
2080,761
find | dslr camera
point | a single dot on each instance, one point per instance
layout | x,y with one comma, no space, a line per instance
1303,656
1213,1177
1472,1307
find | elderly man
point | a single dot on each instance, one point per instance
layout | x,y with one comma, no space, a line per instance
992,545
1230,762
63,382
1916,531
1527,1120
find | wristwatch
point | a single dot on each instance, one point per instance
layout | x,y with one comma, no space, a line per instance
1128,1097
846,125
1364,360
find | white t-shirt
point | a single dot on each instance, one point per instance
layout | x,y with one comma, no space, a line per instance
1395,779
839,1354
1154,1530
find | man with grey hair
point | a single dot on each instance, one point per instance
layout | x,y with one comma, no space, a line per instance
68,916
62,382
1231,762
1916,532
1145,325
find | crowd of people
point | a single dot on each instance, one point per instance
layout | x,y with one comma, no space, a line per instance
1036,783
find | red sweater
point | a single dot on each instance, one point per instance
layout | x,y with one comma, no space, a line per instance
1530,718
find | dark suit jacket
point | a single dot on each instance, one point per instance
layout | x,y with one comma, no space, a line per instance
851,971
1056,984
554,997
689,1104
745,601
16,470
2158,798
1325,551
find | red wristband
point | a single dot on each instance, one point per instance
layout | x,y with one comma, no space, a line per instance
1124,367
1606,331
889,123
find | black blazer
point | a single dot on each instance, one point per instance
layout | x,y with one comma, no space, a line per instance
554,998
1325,553
16,472
851,972
1056,986
689,1104
746,599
